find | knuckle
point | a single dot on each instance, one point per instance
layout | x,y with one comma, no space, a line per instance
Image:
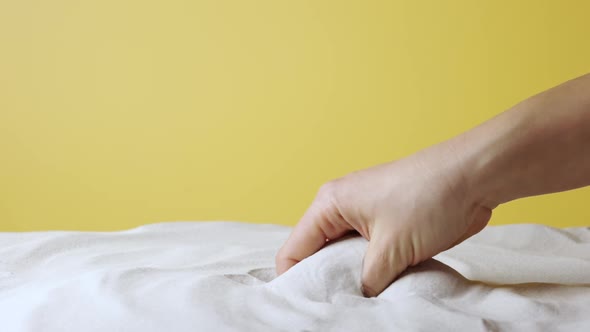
282,258
328,193
329,227
327,189
284,252
280,254
279,258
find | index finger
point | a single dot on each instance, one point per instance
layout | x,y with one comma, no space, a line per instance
316,227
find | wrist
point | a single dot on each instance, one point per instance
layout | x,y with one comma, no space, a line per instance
476,161
485,158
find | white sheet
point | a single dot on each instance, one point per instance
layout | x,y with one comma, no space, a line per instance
219,276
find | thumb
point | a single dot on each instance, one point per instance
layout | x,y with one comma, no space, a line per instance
384,260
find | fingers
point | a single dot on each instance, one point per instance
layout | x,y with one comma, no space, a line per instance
388,256
322,221
383,262
305,239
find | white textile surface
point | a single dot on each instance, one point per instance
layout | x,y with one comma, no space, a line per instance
219,276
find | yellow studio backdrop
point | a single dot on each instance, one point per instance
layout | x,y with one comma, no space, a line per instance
120,113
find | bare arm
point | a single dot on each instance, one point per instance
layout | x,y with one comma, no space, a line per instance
540,146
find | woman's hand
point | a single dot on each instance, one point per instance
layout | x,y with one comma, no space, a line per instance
409,210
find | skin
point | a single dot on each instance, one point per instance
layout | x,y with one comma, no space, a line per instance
412,209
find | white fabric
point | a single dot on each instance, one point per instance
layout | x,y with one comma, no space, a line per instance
186,276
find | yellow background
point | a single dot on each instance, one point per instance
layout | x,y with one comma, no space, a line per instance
120,113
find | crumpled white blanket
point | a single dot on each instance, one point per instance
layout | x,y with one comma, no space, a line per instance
219,276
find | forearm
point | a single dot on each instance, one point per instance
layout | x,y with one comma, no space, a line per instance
539,146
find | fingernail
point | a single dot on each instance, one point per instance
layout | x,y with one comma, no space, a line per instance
367,291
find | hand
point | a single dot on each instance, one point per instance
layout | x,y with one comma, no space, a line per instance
409,210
